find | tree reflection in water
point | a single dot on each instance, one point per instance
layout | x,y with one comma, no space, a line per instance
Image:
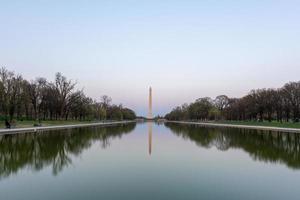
39,150
267,146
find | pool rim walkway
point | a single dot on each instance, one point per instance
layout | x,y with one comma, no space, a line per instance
59,127
264,128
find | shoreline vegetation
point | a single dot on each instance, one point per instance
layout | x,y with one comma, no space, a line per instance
39,102
272,107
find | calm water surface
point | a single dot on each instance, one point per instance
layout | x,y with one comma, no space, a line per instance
150,161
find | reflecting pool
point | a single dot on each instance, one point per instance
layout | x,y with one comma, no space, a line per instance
150,161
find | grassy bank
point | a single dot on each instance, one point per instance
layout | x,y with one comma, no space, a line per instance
28,124
264,123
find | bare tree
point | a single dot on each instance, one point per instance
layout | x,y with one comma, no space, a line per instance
64,88
36,91
292,93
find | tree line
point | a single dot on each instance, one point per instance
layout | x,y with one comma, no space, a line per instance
281,104
40,99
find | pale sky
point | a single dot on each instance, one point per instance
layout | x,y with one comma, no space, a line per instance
183,49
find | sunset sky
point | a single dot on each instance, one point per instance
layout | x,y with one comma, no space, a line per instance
183,49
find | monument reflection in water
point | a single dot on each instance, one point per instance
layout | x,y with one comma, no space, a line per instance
150,121
150,137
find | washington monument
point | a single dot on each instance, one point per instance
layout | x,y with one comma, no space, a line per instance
150,104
